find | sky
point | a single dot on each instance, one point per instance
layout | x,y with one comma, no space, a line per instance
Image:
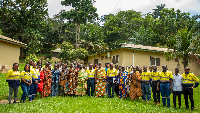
105,7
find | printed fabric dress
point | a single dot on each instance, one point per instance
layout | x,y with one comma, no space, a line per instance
123,86
81,86
47,83
72,82
63,81
100,87
135,87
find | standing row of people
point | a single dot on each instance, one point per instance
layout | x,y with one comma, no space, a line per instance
78,80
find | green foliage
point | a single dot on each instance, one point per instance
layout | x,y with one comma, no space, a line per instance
1,33
69,53
24,20
32,57
80,53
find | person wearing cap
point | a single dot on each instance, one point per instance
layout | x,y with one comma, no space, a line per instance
13,79
189,79
90,81
165,82
145,84
177,87
111,76
154,78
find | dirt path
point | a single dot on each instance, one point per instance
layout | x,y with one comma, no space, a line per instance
6,101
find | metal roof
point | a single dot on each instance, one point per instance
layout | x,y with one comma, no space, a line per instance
140,47
11,41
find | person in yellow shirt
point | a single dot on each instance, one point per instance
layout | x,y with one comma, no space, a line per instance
154,78
165,82
188,84
13,79
111,76
35,78
90,81
26,81
145,84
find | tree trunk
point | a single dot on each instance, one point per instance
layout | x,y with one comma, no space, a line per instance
76,36
185,61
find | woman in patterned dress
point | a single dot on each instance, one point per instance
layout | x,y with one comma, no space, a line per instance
81,81
100,81
72,77
63,81
47,81
135,87
123,83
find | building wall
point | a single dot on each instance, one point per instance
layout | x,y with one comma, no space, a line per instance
9,54
142,58
109,60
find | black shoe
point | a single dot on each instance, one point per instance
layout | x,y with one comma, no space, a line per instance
192,109
14,102
187,108
9,102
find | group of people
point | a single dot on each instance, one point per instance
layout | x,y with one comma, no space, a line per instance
78,80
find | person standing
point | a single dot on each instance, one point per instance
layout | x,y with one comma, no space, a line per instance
71,73
177,87
189,79
40,83
100,78
165,83
145,84
81,81
111,76
154,78
35,78
26,81
90,81
135,87
13,79
123,83
55,81
47,80
63,82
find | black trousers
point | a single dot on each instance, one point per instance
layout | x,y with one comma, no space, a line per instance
175,93
188,92
117,89
156,93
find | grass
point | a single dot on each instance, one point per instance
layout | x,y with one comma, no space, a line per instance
88,104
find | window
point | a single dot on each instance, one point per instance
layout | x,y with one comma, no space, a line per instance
96,61
102,57
117,59
106,57
113,60
155,61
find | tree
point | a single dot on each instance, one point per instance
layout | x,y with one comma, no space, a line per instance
187,43
120,27
82,13
69,53
24,20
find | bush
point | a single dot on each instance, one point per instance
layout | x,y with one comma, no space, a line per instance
31,57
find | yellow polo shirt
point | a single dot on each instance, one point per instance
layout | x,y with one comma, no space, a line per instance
189,79
145,76
165,76
111,72
90,73
155,76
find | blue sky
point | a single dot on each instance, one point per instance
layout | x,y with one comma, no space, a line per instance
113,6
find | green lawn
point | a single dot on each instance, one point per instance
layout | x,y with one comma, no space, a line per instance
88,104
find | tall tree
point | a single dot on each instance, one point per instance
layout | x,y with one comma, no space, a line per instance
83,12
24,20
